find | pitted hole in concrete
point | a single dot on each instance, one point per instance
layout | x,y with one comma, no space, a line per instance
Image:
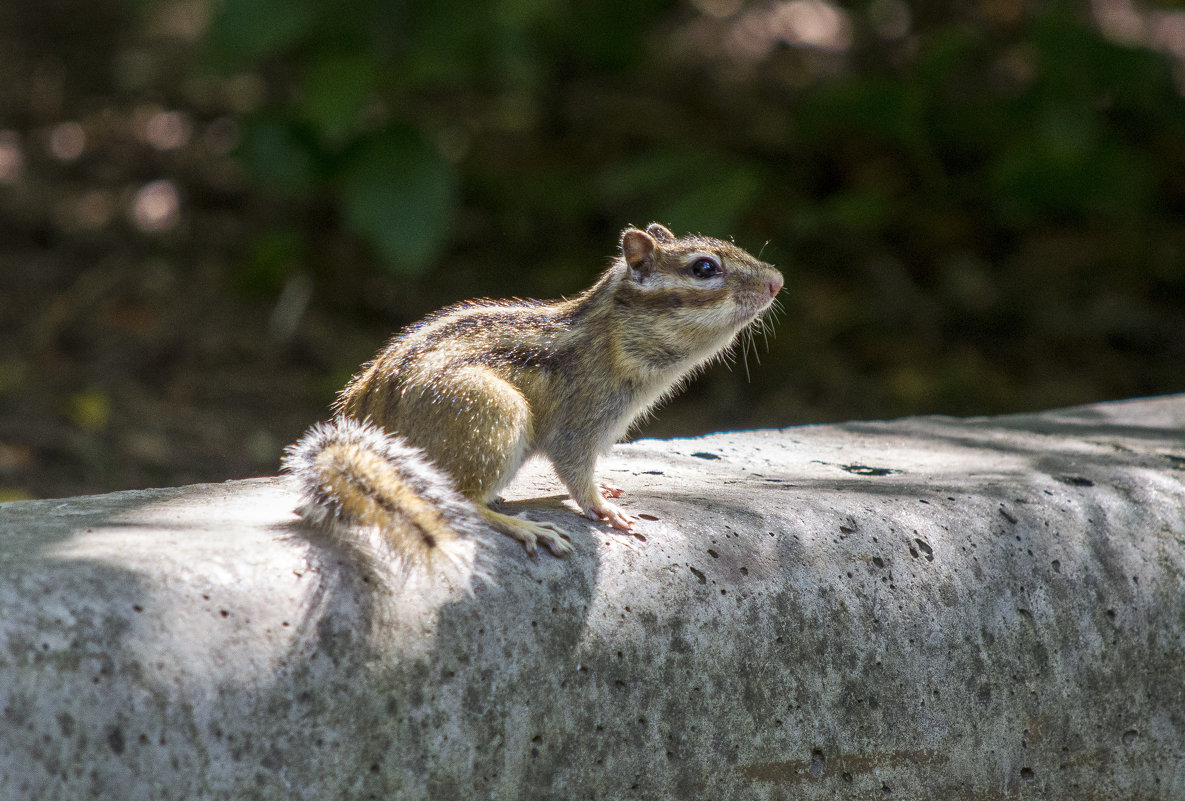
651,518
865,470
876,560
1027,774
273,760
925,548
115,740
1007,515
885,791
847,777
698,575
817,763
1056,565
706,455
1130,736
713,554
1075,481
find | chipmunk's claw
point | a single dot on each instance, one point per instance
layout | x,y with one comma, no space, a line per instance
530,533
611,514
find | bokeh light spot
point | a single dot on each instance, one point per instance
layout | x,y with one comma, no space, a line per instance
67,141
12,157
157,206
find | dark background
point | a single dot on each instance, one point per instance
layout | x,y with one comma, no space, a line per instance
212,212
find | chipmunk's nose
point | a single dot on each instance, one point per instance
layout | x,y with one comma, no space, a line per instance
774,284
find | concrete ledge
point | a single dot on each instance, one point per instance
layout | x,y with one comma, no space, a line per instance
928,608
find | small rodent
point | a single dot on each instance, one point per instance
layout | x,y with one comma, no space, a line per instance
428,432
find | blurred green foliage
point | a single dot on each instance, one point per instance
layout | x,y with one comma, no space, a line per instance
982,190
978,206
357,88
1033,120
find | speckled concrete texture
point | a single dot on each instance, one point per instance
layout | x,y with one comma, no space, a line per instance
927,608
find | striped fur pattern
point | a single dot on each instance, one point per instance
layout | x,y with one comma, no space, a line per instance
354,475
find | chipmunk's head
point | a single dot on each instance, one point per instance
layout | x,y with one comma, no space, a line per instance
708,283
681,301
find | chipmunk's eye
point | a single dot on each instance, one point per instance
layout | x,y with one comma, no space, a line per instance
705,268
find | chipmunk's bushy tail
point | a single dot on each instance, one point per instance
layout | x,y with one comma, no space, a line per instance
355,477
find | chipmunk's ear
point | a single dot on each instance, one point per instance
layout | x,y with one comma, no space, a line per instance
637,248
660,232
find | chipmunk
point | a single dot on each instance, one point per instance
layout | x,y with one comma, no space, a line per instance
428,432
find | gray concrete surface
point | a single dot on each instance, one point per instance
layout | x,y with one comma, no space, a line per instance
927,608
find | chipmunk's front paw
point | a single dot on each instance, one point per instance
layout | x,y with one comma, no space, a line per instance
611,514
611,492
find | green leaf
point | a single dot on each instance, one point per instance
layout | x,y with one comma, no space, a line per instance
243,32
279,157
335,91
401,195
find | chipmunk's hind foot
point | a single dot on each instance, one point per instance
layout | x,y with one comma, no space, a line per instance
529,532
